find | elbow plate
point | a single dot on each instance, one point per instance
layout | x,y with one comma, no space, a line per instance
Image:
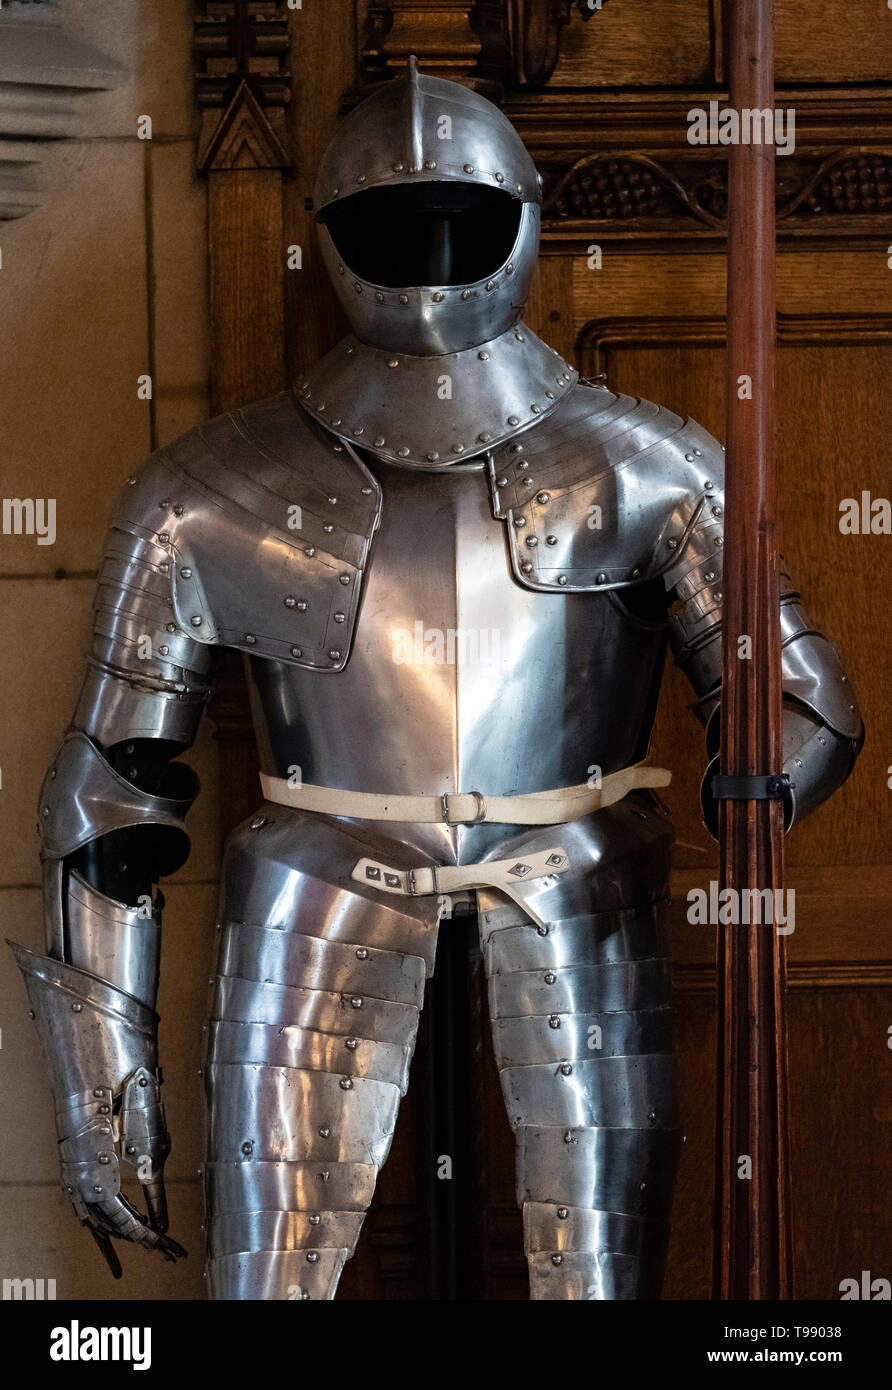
84,798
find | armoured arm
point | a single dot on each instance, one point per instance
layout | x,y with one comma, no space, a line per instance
822,729
111,824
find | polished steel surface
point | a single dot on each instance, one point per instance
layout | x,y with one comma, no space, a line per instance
584,1277
249,1185
589,988
581,1229
605,493
582,1033
236,1232
288,1045
278,1274
314,963
261,493
434,412
100,1048
83,798
396,138
535,1038
431,320
401,125
457,671
118,943
252,1001
280,1112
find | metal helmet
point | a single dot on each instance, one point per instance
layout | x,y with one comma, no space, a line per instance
428,208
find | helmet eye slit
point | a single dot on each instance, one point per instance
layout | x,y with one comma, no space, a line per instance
431,233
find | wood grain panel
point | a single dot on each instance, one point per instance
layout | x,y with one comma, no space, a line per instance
841,1135
829,43
645,44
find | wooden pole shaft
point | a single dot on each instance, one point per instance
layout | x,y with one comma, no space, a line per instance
752,1239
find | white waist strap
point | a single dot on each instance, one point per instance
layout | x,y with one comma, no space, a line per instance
504,874
468,808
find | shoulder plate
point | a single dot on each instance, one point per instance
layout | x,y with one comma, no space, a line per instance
604,494
262,524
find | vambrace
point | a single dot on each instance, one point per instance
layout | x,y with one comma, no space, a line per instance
110,820
822,730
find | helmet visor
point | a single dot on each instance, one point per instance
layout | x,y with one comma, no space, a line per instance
429,233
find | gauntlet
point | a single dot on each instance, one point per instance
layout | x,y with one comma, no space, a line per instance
100,1046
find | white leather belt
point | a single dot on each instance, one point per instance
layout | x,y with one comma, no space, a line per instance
468,808
503,874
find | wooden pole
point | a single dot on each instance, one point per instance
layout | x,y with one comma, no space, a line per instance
752,1226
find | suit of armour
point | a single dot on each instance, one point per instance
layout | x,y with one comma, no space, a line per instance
454,570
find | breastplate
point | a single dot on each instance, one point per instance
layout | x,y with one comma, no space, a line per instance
460,679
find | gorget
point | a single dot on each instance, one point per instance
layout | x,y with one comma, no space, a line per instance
429,412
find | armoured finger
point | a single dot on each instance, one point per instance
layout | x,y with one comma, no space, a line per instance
156,1203
106,1248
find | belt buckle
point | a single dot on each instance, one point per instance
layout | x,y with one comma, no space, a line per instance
481,809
